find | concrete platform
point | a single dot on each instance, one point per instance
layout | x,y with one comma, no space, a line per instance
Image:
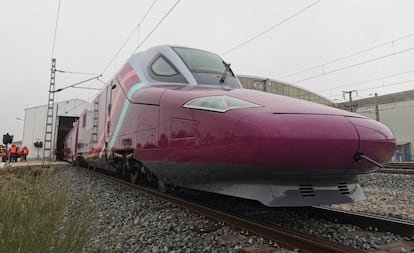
30,163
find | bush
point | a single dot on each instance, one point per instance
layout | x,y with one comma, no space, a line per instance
38,214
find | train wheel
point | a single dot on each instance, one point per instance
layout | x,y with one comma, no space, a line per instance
148,176
135,174
118,168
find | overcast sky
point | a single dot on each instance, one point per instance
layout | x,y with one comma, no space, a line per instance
90,32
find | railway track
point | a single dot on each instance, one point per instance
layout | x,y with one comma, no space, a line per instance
364,220
398,168
400,165
283,237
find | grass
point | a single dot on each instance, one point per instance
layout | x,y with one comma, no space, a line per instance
39,213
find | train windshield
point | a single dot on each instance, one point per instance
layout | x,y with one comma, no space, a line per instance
207,68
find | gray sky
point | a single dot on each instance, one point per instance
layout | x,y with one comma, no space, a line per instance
90,32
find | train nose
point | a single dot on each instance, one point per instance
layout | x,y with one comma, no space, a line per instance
376,142
309,142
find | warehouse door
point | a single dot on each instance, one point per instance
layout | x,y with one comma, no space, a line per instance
402,152
64,125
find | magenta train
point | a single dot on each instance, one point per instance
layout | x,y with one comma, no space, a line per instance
180,117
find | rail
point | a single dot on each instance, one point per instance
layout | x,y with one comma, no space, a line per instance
285,238
364,220
400,165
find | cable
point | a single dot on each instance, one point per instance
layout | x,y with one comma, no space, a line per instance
130,35
382,109
73,85
347,56
354,65
56,28
156,26
86,88
100,80
269,29
366,81
159,23
74,72
378,87
123,44
388,85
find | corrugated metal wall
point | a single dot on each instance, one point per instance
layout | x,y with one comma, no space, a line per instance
35,118
273,86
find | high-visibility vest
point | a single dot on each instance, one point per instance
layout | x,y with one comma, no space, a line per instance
13,149
3,153
25,151
20,151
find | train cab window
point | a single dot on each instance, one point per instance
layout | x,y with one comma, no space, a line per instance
162,70
207,68
201,61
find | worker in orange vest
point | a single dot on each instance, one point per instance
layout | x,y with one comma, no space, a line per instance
19,154
3,153
13,153
25,153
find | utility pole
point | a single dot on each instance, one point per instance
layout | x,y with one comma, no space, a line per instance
48,144
376,107
352,108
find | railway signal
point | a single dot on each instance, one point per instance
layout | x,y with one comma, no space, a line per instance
7,139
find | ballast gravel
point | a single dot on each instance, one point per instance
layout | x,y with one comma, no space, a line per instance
126,220
387,194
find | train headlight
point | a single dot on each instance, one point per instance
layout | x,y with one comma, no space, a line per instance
218,103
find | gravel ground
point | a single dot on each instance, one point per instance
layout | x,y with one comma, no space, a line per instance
295,219
126,220
387,194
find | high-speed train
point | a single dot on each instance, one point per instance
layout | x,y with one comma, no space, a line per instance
180,117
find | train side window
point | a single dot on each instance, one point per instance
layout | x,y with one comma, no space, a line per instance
163,70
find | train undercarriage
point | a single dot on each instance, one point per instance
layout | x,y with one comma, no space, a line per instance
124,165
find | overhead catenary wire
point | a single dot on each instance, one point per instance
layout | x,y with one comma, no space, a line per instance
348,56
354,65
379,87
63,71
150,33
135,29
157,25
115,57
269,29
77,106
55,33
129,37
75,72
367,81
75,84
381,109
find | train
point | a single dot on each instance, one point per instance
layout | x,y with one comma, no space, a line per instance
179,117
